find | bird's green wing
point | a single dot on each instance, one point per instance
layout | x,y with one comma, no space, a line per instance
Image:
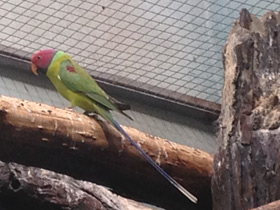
78,80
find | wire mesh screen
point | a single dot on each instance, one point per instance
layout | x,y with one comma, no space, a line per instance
167,47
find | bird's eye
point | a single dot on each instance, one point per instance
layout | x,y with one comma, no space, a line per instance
39,57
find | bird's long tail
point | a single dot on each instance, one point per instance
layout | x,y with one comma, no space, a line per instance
155,165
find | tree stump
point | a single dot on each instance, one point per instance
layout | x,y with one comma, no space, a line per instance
246,167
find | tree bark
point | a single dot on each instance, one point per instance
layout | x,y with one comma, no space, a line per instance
246,167
36,188
77,145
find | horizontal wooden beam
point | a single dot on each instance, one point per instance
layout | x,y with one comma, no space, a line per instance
68,142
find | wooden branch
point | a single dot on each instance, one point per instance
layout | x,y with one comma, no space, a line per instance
36,188
270,206
247,165
77,145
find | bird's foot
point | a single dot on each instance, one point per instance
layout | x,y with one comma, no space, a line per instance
91,114
70,108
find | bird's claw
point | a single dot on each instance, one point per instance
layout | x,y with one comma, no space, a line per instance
70,108
91,114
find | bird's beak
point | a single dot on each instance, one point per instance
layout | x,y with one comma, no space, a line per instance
34,69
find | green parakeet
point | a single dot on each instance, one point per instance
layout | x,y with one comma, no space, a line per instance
76,85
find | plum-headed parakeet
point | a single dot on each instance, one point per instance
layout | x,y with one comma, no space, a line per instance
76,85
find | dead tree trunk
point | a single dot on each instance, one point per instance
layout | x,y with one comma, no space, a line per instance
67,142
34,188
246,167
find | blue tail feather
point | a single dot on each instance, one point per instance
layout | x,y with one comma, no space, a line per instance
155,165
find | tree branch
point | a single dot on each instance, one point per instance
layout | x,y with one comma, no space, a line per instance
77,145
270,206
36,188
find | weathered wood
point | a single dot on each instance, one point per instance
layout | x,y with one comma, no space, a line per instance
71,143
246,167
36,188
270,206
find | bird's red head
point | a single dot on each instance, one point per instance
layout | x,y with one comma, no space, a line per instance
42,60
